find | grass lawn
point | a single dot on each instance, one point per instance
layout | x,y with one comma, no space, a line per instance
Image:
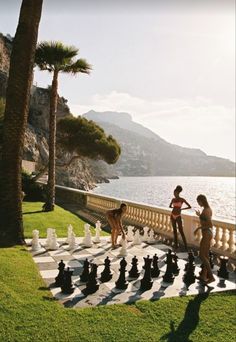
35,218
29,313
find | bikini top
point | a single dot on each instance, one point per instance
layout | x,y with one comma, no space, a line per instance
177,204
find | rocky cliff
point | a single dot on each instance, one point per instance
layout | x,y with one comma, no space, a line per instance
78,174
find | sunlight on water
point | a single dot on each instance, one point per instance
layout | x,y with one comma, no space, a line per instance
158,191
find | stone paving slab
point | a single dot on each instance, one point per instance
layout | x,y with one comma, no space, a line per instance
107,293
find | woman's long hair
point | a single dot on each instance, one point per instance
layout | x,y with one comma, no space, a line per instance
202,198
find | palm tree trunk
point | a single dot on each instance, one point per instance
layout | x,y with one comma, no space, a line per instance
50,202
15,119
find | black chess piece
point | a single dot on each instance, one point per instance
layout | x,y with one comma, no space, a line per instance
155,272
189,276
121,283
146,282
211,256
168,276
175,264
222,272
85,274
59,278
106,273
134,273
91,285
191,259
67,286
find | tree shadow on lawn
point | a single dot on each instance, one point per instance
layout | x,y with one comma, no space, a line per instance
189,322
33,212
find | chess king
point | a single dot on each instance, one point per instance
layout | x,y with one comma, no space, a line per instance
114,218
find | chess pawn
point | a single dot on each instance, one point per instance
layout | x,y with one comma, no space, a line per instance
67,286
35,241
69,232
60,276
98,230
191,260
145,234
151,238
175,264
130,234
146,282
134,273
72,243
168,276
123,251
54,245
91,285
222,272
155,272
87,241
121,283
189,276
85,273
137,240
49,237
106,274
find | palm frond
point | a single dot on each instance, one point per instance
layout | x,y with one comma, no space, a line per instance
81,65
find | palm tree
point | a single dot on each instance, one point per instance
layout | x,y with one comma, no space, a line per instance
55,58
15,120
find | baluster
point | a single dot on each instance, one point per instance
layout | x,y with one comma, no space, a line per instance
231,241
224,240
217,238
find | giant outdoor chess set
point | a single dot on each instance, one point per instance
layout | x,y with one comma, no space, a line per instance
86,271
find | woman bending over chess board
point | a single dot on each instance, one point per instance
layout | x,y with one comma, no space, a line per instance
114,218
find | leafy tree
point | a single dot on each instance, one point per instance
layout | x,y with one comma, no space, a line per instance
85,138
56,58
15,119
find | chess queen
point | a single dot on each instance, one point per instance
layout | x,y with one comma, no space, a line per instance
114,218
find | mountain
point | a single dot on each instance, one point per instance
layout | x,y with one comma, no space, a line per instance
145,153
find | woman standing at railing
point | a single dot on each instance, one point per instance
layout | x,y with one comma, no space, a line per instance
114,218
176,219
205,216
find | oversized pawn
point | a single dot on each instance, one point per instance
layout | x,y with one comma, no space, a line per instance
130,234
155,272
69,232
168,276
49,237
121,283
151,239
191,260
175,264
35,241
146,282
106,274
222,272
54,244
137,240
145,234
85,274
134,273
87,241
59,278
91,285
72,243
98,230
67,286
189,276
123,251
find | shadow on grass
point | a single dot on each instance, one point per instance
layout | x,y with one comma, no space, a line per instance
189,322
33,212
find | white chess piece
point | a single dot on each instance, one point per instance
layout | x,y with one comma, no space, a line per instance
35,241
87,241
145,233
69,233
53,245
72,243
98,230
123,251
137,240
151,237
130,234
49,237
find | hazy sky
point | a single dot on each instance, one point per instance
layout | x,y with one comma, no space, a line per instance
170,64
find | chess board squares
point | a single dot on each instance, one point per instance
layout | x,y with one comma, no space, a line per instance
43,259
56,292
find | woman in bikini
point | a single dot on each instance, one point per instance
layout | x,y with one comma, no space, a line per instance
176,219
206,275
114,218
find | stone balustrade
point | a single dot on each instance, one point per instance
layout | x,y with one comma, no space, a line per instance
141,214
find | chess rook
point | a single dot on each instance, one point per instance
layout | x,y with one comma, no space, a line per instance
67,286
222,272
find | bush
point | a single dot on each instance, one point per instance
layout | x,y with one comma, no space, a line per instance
33,191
